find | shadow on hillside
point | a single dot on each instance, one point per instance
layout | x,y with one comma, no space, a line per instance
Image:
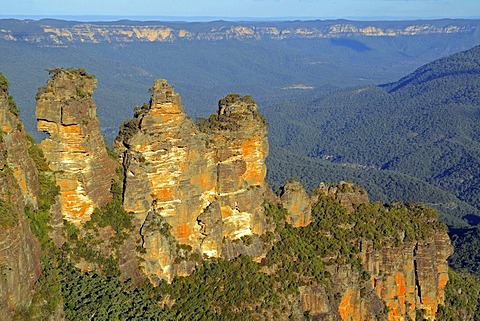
350,43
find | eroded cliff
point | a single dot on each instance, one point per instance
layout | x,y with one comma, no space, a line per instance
402,252
74,147
19,250
198,194
192,189
98,32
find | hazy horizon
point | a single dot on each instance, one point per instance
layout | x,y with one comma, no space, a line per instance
235,10
145,18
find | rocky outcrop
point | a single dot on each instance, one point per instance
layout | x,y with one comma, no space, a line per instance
197,191
297,203
19,250
74,147
409,277
238,138
348,194
403,279
204,184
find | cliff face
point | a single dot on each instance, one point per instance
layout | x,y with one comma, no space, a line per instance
170,177
74,148
19,250
191,189
238,137
410,277
98,32
405,277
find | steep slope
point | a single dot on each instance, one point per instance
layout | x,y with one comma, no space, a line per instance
19,250
74,147
198,189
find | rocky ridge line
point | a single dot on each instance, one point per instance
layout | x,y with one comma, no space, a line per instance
169,32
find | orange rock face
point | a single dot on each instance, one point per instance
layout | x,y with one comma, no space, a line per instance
75,148
204,183
410,277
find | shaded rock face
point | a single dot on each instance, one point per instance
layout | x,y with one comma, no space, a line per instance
297,203
19,250
74,148
15,143
205,183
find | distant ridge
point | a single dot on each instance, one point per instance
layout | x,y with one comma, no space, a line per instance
61,32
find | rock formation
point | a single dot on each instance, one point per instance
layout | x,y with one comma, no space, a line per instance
201,186
297,203
74,147
410,277
19,250
197,191
348,194
404,278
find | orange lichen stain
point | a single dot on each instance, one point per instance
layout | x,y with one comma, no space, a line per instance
226,211
73,206
379,287
203,179
167,110
442,282
72,129
17,172
162,117
345,307
393,313
250,146
400,283
164,193
66,184
430,306
253,176
6,128
301,220
181,231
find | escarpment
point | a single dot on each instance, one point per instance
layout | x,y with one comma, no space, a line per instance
192,187
19,250
74,147
191,194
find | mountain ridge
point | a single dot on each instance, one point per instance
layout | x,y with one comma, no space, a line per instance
60,32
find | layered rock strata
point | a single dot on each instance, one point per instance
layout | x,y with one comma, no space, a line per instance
19,250
404,279
98,32
191,187
74,147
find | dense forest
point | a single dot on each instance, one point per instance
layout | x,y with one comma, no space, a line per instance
415,139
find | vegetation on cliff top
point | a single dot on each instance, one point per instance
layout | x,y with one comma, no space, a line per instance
241,289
